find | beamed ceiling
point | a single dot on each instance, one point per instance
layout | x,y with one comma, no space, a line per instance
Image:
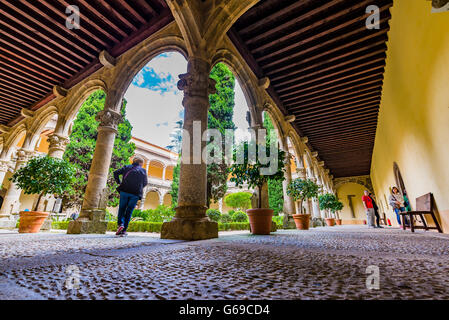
37,50
324,65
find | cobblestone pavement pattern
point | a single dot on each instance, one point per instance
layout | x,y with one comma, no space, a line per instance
322,263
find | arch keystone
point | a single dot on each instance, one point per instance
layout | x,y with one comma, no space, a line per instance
27,113
59,91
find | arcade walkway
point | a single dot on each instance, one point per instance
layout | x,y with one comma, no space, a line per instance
323,263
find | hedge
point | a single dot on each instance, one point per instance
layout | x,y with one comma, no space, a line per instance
143,226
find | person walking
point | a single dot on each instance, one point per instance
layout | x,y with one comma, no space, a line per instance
397,202
131,191
369,208
376,211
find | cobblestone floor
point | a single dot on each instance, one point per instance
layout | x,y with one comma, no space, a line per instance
323,263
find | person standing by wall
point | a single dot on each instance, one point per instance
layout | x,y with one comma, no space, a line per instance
376,210
397,202
131,191
369,208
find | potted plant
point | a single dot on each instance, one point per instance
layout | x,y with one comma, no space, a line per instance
327,202
300,190
256,175
42,176
338,206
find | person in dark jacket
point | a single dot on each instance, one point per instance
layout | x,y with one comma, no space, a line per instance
131,190
376,211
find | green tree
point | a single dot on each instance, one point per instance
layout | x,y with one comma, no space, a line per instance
45,176
238,200
175,185
275,189
219,117
81,148
302,189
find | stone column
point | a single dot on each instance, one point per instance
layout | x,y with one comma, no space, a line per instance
11,200
142,201
57,144
302,175
191,221
4,165
220,205
289,203
161,198
91,219
315,206
163,172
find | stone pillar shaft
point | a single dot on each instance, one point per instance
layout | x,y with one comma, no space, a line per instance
12,195
91,219
190,221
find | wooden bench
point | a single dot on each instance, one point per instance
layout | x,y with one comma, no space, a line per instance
424,205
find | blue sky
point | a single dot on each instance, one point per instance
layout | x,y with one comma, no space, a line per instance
155,103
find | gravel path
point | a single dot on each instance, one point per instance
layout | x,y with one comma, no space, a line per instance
322,263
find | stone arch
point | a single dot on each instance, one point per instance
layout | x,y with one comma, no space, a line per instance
129,66
155,168
244,76
75,99
365,181
40,121
152,199
13,138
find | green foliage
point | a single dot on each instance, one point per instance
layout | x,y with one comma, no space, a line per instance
109,216
327,201
238,200
214,214
301,189
44,176
81,148
250,171
231,212
278,220
275,189
160,214
219,117
226,218
240,216
144,226
175,185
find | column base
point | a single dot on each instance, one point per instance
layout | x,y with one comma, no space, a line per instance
9,224
89,222
188,229
288,222
46,226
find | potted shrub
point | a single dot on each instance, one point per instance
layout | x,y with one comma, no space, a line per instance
42,176
338,206
256,174
300,190
327,202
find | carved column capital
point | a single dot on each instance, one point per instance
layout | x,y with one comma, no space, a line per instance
196,82
57,142
109,119
4,165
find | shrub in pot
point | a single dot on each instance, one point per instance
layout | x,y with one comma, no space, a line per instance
327,202
338,206
256,174
42,176
300,190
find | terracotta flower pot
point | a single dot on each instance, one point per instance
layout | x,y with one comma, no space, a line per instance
31,221
302,221
330,222
338,221
260,220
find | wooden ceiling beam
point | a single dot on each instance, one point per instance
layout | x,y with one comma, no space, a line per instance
326,113
38,34
314,37
30,52
107,21
44,26
117,15
371,78
377,68
333,102
328,70
290,23
261,23
333,97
